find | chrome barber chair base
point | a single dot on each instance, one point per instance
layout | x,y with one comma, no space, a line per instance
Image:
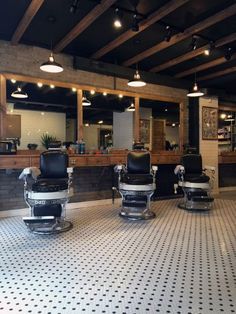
50,226
136,215
195,205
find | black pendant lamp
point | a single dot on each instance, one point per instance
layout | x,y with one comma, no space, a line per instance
19,93
51,66
195,91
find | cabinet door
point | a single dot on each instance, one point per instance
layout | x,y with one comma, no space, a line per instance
158,135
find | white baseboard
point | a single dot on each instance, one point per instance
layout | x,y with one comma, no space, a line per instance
69,208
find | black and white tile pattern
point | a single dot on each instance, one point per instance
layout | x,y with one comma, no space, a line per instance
181,262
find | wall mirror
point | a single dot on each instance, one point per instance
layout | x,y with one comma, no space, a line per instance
159,125
226,130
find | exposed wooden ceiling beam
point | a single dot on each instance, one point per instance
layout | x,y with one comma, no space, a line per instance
204,66
31,11
150,20
217,74
194,53
231,10
84,23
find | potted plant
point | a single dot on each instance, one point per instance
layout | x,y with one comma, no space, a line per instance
46,139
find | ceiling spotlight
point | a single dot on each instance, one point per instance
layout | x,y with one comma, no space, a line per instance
51,66
40,84
92,92
73,89
13,81
74,6
100,122
85,102
120,96
52,86
168,33
104,93
86,124
228,53
223,116
166,110
208,51
19,93
136,81
117,21
131,107
135,25
173,125
193,44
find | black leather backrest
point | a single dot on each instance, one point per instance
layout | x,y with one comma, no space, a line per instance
53,164
192,163
138,162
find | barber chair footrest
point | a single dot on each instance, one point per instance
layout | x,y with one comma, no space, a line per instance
134,204
203,199
39,219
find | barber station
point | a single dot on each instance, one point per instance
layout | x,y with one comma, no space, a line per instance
117,157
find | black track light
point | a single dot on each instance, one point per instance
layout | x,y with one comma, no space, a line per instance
135,25
211,47
74,6
168,33
228,53
118,19
193,44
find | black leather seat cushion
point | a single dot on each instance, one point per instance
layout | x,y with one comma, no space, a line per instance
48,210
196,178
50,185
136,179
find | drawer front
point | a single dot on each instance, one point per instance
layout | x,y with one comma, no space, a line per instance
35,161
117,160
98,161
14,163
77,161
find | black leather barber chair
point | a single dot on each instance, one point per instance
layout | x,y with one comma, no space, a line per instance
136,184
195,183
47,191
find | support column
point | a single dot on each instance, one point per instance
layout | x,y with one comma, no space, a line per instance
3,106
136,120
79,115
181,127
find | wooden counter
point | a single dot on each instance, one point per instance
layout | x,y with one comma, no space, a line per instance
227,158
31,159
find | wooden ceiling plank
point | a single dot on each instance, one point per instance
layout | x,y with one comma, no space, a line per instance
194,29
194,53
204,66
150,20
30,13
83,24
217,74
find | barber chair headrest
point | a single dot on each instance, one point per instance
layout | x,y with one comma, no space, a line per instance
53,164
192,163
138,146
138,162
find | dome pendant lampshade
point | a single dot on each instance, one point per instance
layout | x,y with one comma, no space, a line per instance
195,91
85,102
136,81
19,93
131,108
51,66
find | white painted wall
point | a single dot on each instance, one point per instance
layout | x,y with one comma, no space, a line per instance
35,123
208,148
123,134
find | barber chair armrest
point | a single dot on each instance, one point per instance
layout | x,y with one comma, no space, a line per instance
154,168
70,170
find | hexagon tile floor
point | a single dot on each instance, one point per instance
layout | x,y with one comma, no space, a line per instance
180,262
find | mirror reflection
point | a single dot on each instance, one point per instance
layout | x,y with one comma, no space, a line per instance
159,125
39,114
